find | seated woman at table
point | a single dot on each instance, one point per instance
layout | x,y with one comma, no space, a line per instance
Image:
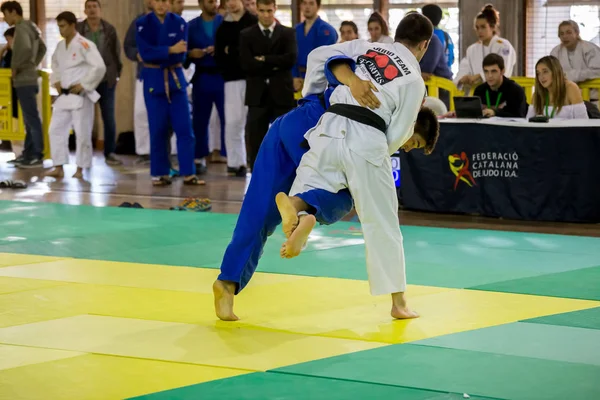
555,96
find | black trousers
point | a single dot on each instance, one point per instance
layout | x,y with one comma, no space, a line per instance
257,125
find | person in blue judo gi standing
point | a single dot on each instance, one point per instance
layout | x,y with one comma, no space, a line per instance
161,39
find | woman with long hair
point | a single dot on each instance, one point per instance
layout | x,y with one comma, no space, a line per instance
378,29
555,96
470,71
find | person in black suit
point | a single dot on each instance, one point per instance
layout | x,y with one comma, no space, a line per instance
268,52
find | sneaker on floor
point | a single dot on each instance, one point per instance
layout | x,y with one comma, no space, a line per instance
17,160
32,163
241,172
143,160
200,169
112,160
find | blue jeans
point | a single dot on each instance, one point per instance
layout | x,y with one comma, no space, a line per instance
107,108
34,138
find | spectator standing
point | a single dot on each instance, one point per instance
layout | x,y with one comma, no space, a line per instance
104,36
28,51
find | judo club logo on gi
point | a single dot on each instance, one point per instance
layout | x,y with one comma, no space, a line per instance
380,64
484,165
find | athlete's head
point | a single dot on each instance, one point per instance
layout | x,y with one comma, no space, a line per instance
67,24
161,7
415,31
426,132
177,7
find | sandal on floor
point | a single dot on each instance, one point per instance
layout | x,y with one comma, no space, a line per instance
8,184
194,182
162,181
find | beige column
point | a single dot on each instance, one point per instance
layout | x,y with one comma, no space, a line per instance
121,13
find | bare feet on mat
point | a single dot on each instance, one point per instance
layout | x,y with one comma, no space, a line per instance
297,240
55,173
78,174
289,215
224,293
399,308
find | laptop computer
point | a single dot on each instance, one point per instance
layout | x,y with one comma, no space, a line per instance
468,107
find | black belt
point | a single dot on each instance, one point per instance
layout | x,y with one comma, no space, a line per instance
359,114
355,113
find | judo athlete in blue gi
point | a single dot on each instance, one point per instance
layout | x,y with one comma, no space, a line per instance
161,40
208,84
274,171
310,34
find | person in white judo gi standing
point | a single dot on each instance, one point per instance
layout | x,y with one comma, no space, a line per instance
351,147
77,70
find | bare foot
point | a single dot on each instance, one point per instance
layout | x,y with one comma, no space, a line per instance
78,174
399,308
224,293
55,173
289,215
297,240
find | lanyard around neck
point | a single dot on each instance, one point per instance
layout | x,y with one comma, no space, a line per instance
487,98
547,104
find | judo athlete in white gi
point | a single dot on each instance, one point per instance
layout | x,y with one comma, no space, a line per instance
351,146
77,69
579,58
470,70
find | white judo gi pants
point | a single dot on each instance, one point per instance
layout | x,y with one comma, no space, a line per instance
141,127
236,113
81,120
330,164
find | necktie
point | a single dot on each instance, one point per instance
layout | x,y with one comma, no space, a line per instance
267,33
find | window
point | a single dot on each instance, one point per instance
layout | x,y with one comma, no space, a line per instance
4,26
449,23
336,11
543,18
53,8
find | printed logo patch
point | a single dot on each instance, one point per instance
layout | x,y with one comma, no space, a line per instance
382,65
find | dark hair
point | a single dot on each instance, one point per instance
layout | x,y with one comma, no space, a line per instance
493,59
351,24
11,6
92,1
428,126
9,32
433,12
68,17
376,17
266,2
413,29
318,2
490,14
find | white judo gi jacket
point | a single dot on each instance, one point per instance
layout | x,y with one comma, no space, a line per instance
472,64
79,63
348,154
581,64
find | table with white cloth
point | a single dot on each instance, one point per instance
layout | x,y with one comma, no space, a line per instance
507,168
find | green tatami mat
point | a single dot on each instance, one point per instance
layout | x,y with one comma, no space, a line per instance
589,319
548,342
268,386
460,371
579,284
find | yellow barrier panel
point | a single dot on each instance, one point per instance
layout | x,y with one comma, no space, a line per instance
9,130
435,83
586,86
527,84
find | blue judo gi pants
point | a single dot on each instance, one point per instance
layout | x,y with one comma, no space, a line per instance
207,89
161,116
274,171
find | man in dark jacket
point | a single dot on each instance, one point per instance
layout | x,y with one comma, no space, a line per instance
104,36
500,96
268,53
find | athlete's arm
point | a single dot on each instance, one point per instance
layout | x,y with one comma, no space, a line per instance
362,90
316,79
